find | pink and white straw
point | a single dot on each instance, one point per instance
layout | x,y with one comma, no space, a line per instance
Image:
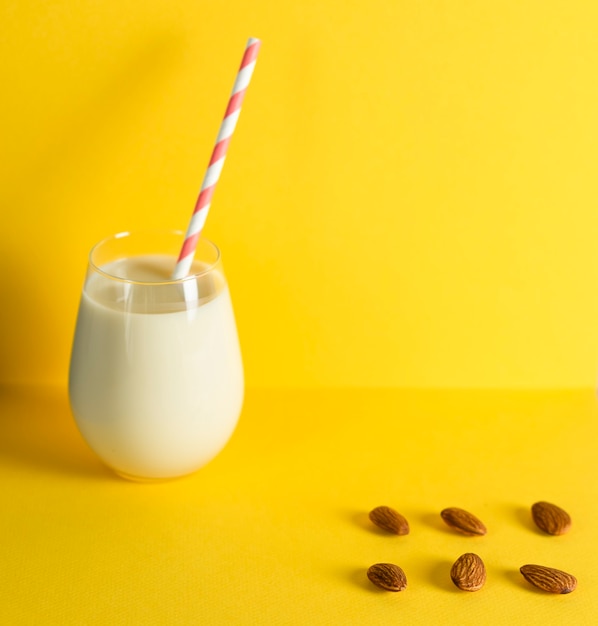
212,175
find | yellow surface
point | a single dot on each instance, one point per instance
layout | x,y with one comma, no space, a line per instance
409,198
275,530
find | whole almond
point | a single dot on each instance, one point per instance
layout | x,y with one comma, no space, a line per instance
468,572
387,576
463,521
551,518
549,579
390,520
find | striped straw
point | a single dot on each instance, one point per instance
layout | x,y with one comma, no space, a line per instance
212,175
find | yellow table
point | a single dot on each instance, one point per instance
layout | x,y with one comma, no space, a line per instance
275,530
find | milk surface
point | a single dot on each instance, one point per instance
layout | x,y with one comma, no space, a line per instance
156,378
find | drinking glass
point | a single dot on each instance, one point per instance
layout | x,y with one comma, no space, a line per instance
156,378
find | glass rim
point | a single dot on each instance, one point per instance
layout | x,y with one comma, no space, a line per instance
158,231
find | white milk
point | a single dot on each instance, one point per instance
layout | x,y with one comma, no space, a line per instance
158,394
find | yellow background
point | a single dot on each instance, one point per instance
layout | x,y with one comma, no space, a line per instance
408,200
408,204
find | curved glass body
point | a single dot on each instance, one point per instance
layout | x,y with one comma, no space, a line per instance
156,377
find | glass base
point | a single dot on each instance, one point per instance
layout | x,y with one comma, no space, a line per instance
144,479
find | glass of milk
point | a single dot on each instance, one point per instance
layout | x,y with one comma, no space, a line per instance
156,377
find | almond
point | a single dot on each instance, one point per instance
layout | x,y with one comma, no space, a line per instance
551,518
390,520
468,572
387,576
463,521
549,579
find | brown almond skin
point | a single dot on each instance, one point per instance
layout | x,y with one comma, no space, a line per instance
387,576
463,521
389,520
549,579
550,518
469,572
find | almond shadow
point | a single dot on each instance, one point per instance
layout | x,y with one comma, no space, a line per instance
433,520
524,516
440,576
